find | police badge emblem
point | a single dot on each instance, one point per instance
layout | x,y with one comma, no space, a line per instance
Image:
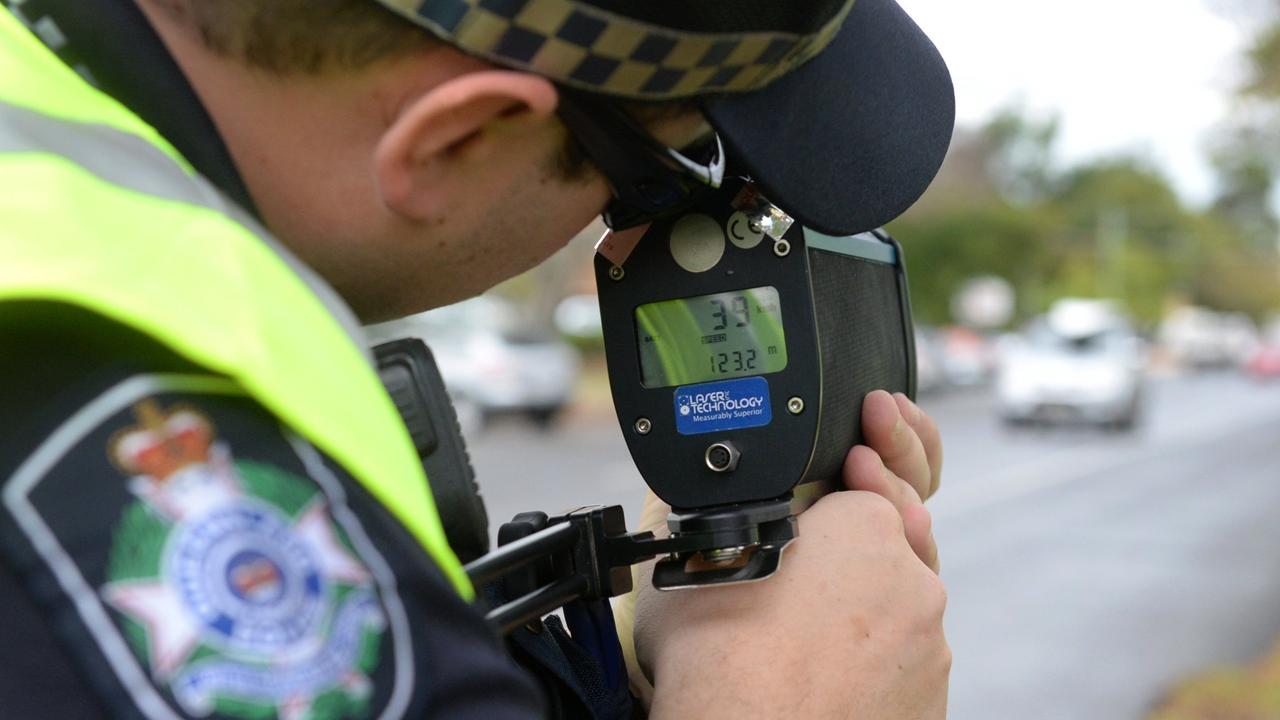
191,581
238,590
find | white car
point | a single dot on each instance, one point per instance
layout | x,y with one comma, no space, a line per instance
1081,362
929,373
1200,338
967,357
492,362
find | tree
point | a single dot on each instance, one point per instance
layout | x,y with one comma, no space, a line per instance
1264,60
982,215
1247,155
1019,154
944,250
1112,227
1246,170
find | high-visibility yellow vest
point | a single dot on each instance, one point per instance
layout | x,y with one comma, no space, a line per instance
99,211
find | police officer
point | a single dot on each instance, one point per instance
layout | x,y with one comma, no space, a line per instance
210,507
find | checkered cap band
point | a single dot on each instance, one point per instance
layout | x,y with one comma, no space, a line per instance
593,49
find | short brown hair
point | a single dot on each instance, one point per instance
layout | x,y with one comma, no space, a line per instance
311,37
301,36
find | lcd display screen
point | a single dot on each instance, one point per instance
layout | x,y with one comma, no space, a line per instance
710,337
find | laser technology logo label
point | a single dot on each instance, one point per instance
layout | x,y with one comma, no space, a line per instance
725,405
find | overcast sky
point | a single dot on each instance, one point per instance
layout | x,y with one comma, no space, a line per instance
1150,76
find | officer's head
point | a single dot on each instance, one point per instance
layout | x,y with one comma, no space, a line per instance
416,153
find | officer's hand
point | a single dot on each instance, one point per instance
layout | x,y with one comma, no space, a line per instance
902,462
902,465
850,626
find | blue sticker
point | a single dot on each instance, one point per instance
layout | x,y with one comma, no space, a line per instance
724,405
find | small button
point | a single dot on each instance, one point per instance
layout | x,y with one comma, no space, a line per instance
697,242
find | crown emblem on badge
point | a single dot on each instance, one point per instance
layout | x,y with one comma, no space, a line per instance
162,443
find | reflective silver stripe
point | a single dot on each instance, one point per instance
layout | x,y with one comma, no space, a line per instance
117,157
129,161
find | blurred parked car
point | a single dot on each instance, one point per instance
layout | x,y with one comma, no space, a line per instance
1202,339
493,363
1265,360
968,358
929,376
1081,362
578,317
1265,363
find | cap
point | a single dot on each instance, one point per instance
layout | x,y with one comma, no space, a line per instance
841,110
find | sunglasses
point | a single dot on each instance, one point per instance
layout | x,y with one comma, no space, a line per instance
649,180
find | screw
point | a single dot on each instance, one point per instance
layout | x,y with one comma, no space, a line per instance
643,426
616,273
725,556
782,248
795,405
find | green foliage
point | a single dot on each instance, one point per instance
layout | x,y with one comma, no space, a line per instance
1244,198
1264,58
1019,151
944,250
1247,153
1121,188
1111,228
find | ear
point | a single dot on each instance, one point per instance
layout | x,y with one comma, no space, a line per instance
434,133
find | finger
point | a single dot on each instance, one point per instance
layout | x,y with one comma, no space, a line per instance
927,430
653,515
864,471
888,433
918,524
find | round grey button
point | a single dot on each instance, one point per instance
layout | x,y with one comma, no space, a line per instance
740,231
697,242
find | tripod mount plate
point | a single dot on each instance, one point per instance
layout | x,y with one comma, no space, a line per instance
734,544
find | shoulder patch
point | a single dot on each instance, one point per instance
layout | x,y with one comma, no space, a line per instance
213,561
